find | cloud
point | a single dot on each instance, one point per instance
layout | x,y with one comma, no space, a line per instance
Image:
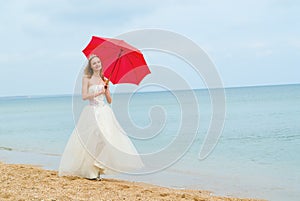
294,42
256,45
53,32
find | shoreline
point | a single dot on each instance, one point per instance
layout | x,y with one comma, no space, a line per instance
28,182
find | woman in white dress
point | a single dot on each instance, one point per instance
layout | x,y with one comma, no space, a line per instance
98,145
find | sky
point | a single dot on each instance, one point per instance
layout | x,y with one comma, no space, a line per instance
251,42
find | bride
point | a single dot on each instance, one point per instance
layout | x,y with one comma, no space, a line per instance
98,145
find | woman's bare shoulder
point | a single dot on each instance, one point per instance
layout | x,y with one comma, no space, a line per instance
85,77
86,80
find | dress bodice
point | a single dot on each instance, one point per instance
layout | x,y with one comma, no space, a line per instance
99,100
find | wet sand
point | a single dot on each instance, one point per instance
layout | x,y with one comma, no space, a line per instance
26,182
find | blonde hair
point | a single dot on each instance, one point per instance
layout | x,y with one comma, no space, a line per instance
88,71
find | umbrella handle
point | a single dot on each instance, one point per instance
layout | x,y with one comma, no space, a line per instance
106,83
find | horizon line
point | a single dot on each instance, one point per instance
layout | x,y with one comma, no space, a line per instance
70,94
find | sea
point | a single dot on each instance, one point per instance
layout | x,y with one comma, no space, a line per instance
257,154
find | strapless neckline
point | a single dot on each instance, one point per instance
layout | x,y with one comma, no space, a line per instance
96,85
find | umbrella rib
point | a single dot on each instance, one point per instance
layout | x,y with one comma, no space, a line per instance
118,59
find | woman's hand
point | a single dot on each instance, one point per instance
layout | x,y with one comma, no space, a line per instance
106,88
99,92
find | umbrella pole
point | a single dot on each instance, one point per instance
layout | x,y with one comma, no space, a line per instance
112,71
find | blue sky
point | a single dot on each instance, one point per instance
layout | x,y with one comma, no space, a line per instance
253,42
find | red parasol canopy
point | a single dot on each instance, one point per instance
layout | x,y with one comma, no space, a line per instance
121,62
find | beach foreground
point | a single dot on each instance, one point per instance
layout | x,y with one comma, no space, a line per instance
26,182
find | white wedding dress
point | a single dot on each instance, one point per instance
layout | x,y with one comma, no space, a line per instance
98,145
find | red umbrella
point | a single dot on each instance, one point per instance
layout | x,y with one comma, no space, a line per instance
121,62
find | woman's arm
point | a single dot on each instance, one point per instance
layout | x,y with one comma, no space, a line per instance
107,94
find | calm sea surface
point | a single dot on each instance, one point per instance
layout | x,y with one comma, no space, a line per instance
257,154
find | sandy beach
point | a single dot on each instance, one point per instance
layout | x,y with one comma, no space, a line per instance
26,182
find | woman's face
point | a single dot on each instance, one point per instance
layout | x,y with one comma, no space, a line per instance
96,64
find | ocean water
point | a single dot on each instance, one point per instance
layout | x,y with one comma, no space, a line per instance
256,156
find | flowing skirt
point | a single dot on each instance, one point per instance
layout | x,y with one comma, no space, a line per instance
98,145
